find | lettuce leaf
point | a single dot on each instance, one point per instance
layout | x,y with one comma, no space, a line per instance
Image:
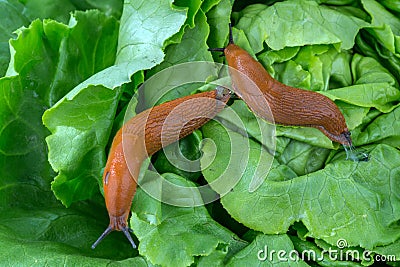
175,228
70,72
66,119
339,194
309,24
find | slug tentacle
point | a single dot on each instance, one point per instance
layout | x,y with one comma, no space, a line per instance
102,236
126,231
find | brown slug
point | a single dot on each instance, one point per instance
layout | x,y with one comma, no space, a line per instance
288,105
141,137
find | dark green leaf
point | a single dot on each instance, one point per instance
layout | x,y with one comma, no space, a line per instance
181,232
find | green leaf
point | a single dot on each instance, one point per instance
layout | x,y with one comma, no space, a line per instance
353,115
307,135
32,91
392,5
386,26
182,159
24,170
303,158
191,8
141,41
341,72
79,166
381,96
68,119
47,9
192,46
242,120
309,23
278,56
15,14
183,233
219,25
385,129
81,121
11,19
55,235
307,67
367,70
334,202
32,221
73,61
390,252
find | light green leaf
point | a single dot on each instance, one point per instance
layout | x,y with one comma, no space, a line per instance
334,202
302,22
11,19
381,96
386,26
219,25
353,115
390,252
309,68
323,256
385,128
76,142
341,72
303,158
141,41
192,46
183,233
75,181
183,159
307,135
84,126
368,70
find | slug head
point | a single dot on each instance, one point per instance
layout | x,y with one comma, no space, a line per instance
346,136
342,138
223,93
116,224
119,189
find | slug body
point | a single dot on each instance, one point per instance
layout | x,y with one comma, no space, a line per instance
141,137
288,105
